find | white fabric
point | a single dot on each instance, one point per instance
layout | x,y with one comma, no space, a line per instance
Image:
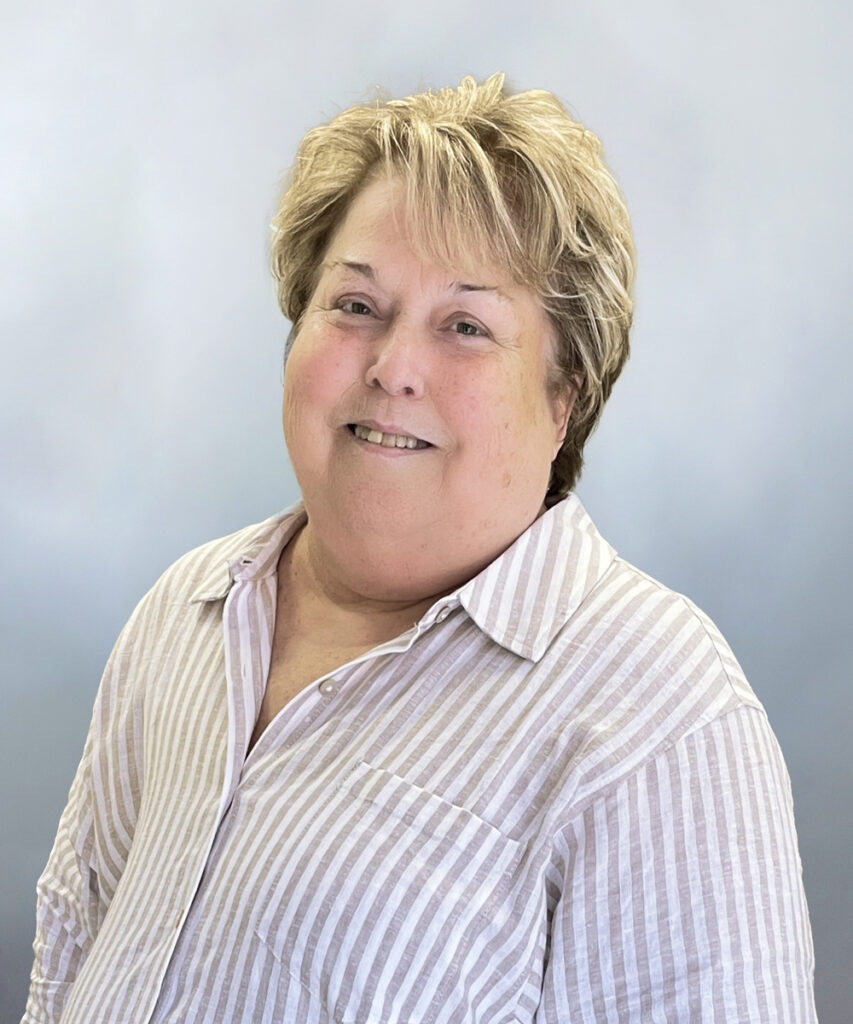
554,799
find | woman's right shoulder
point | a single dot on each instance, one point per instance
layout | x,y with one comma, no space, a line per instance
204,572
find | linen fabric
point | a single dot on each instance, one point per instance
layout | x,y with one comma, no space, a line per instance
554,799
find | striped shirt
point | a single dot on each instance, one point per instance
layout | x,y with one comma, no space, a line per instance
554,799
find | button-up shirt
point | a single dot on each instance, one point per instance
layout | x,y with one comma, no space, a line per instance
555,798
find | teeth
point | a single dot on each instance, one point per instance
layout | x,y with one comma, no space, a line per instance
386,440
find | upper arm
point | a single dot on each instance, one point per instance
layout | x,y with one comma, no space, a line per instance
92,841
681,896
69,907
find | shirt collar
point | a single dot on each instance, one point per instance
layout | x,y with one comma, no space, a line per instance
528,593
521,599
255,558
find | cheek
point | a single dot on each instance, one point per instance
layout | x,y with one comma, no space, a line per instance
314,380
514,429
489,435
301,405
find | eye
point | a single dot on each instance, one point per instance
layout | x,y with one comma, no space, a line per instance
356,307
466,327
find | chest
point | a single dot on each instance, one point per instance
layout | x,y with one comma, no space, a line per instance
352,866
295,664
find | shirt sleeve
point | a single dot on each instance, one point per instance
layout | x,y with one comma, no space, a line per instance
68,906
680,891
92,842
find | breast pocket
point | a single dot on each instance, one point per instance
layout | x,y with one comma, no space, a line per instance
395,908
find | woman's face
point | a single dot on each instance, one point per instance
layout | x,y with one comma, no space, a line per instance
416,410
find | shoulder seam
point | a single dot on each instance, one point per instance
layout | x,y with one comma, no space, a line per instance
702,620
660,751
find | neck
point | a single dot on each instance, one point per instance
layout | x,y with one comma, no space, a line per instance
318,591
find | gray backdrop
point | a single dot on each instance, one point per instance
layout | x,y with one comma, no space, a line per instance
139,153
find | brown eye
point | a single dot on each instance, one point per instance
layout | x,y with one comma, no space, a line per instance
466,327
356,307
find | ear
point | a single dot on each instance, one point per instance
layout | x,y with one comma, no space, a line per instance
562,402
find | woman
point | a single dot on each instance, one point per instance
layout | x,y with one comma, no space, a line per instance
423,748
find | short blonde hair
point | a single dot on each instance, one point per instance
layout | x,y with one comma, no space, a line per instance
506,179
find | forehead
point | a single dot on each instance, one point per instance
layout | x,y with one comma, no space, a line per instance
388,210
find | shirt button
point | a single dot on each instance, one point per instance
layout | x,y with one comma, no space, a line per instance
442,615
328,688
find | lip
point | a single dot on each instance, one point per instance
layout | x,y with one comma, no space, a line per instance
390,428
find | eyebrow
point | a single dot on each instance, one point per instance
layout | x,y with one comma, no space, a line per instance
492,289
364,269
367,271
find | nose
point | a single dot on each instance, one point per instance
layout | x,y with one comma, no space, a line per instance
396,362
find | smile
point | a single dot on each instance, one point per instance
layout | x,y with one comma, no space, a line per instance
387,440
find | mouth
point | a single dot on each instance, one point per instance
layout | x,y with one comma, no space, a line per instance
386,439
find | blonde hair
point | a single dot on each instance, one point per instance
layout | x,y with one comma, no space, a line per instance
509,180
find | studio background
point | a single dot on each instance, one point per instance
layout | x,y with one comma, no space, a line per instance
140,149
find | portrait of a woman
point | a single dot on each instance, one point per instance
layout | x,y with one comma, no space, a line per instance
423,747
